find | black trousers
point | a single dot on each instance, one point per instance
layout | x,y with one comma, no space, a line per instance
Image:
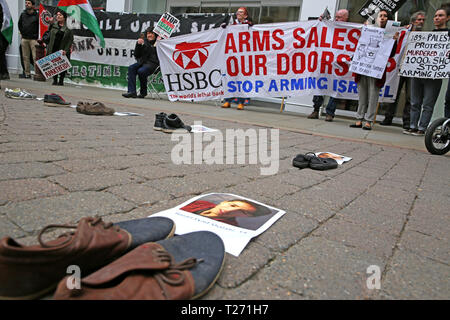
3,46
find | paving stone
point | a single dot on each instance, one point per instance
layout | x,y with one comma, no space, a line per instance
8,229
425,245
95,180
322,269
138,193
30,156
28,170
35,214
414,277
26,189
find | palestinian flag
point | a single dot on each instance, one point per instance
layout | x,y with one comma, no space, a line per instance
81,10
7,27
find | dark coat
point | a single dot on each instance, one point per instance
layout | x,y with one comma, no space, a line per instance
66,42
29,25
146,54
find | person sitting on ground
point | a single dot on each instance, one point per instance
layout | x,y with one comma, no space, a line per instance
369,87
242,17
146,63
341,15
416,22
424,92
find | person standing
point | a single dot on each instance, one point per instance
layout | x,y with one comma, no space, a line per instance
4,74
146,63
242,17
61,38
341,15
29,29
424,92
417,21
369,87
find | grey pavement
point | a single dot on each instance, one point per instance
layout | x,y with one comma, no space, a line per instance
388,206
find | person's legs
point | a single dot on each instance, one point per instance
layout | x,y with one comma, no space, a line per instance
416,102
143,73
374,94
363,95
317,103
431,93
26,56
407,108
447,102
331,106
132,73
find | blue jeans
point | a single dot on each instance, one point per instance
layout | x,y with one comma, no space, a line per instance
141,71
424,93
331,106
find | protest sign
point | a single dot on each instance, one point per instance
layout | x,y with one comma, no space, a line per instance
371,8
53,64
166,25
236,220
372,53
427,55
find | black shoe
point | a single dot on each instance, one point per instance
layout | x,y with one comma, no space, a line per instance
171,123
141,96
386,122
129,95
159,121
317,163
301,161
54,100
22,76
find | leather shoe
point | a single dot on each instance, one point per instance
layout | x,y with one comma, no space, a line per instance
129,95
28,272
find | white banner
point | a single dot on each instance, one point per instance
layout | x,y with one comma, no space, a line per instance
192,65
372,53
268,60
427,56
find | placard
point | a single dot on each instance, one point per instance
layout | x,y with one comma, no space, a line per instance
166,25
53,64
427,55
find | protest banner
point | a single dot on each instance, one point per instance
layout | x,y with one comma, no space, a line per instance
53,64
427,55
371,8
235,219
372,53
275,60
166,25
108,67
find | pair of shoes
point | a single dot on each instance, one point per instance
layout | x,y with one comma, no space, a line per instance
226,105
95,109
386,122
310,160
55,100
329,118
129,95
314,115
240,106
357,124
19,94
418,133
410,131
169,123
367,126
135,259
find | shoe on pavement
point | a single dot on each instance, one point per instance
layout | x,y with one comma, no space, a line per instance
409,131
129,95
172,122
329,118
183,267
314,115
28,272
94,109
19,94
418,133
159,120
55,100
386,122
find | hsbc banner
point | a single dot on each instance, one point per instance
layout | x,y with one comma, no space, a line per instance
271,60
193,66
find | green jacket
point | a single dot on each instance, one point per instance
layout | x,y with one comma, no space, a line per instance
67,39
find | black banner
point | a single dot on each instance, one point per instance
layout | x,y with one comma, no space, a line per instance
372,7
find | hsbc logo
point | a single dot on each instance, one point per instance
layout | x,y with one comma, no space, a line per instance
191,55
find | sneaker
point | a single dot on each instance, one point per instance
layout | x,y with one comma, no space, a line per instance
314,115
240,106
418,133
94,109
172,122
18,94
54,100
226,105
159,119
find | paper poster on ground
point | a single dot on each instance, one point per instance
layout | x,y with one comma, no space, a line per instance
339,159
427,56
234,218
372,53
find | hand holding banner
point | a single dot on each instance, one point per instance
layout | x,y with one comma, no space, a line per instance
53,64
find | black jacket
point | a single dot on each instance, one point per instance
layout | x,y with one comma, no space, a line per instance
29,25
146,54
